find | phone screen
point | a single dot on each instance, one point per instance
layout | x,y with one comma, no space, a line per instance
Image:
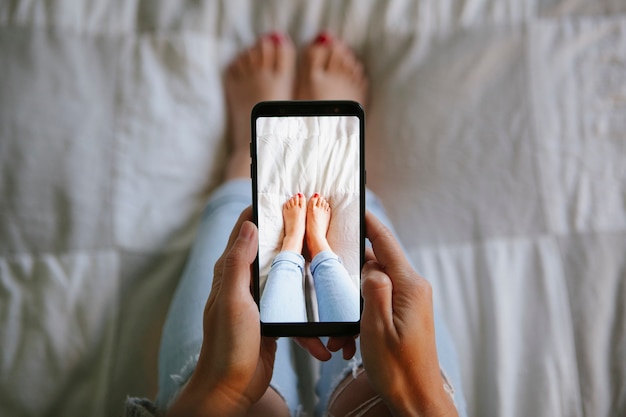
308,185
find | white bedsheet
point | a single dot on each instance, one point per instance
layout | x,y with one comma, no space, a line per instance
319,155
496,139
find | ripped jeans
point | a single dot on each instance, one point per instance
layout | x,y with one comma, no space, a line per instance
182,333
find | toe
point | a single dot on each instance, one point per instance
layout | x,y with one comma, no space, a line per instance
337,58
266,53
342,59
232,73
239,65
284,55
254,57
357,72
317,56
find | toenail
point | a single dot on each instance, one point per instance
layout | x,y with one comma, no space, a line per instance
323,38
276,37
316,195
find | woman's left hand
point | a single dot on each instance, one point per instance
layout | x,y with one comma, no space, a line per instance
322,352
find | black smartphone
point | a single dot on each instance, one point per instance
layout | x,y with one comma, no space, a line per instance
308,186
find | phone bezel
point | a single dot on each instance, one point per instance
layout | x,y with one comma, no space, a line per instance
308,108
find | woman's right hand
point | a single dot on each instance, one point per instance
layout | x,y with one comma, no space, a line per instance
398,332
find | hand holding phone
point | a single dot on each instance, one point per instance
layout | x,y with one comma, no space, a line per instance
308,200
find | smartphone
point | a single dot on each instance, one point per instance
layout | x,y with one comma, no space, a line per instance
308,186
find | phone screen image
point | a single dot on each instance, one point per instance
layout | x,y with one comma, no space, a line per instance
308,183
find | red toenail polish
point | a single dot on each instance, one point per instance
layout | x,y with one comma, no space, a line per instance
316,195
276,38
323,38
299,194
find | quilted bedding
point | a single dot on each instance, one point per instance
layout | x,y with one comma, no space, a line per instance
496,138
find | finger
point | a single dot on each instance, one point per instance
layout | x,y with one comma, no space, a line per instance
386,248
369,255
338,342
377,290
347,343
245,215
349,350
219,265
236,273
315,347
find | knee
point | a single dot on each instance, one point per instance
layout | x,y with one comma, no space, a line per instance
355,396
270,404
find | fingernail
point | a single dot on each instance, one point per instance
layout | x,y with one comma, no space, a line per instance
323,38
276,37
246,231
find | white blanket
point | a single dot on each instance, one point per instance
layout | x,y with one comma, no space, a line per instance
317,155
496,139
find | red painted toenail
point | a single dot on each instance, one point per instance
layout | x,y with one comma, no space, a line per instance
276,37
300,195
323,38
316,195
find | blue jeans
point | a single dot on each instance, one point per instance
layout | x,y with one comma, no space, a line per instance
283,297
182,332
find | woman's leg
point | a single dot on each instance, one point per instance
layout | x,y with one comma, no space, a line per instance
283,296
337,297
263,72
182,332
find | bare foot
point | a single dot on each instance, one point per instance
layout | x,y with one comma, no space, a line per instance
294,216
330,71
263,72
317,221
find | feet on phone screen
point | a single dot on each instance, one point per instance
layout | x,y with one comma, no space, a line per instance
317,222
294,217
264,71
329,70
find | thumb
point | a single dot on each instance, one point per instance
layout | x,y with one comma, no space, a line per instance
377,289
236,272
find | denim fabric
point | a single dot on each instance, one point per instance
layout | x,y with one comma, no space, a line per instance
282,300
337,296
182,332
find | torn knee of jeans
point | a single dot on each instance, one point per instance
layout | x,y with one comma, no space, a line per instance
183,376
447,386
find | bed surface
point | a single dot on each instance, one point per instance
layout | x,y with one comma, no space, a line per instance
496,138
317,155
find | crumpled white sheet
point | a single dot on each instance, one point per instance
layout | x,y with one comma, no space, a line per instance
495,138
319,155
